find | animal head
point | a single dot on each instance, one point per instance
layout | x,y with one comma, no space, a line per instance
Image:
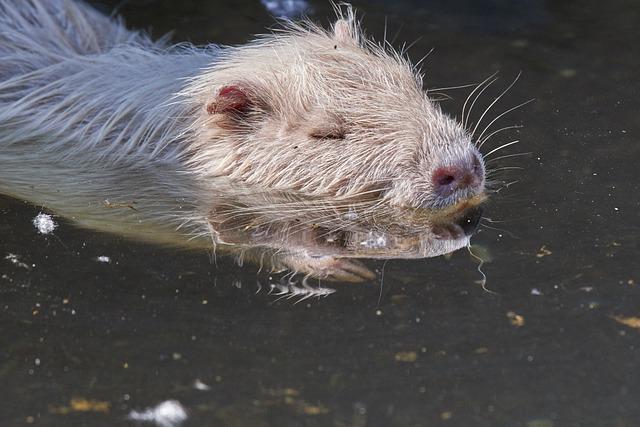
331,115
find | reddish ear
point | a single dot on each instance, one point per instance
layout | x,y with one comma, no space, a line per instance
232,99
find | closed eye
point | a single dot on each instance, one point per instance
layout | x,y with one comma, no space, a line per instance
329,132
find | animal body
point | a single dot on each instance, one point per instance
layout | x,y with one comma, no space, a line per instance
313,146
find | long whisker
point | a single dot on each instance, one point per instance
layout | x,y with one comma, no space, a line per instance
499,174
443,97
501,147
503,114
495,132
439,89
493,171
501,230
493,103
478,86
478,97
503,221
495,159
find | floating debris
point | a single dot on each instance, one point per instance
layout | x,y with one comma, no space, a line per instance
406,356
291,397
44,223
80,404
536,291
515,319
199,385
169,413
543,252
632,322
15,260
103,258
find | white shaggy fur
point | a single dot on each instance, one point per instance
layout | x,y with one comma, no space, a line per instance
112,129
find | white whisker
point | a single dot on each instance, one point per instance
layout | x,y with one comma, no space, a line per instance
492,104
501,147
478,95
503,114
464,119
495,159
480,143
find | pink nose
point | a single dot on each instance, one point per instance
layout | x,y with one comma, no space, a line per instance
458,176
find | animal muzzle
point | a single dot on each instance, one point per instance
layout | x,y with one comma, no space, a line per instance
459,175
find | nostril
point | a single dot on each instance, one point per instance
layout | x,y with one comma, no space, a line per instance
458,176
447,179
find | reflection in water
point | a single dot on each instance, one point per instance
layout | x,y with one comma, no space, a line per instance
298,291
277,231
210,171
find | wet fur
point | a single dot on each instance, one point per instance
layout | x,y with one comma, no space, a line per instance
91,111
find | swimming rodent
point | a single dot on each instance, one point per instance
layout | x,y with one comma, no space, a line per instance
313,146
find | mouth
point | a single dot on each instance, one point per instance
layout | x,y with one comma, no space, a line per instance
460,220
461,227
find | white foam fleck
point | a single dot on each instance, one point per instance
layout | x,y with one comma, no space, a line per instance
103,258
169,413
199,385
44,223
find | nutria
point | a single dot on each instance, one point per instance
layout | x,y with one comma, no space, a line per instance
317,145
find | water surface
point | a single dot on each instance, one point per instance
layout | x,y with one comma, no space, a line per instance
554,344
